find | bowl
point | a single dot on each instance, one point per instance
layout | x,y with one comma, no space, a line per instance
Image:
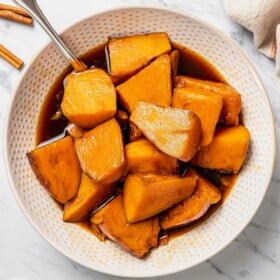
203,241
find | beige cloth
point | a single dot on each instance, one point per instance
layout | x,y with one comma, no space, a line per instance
262,17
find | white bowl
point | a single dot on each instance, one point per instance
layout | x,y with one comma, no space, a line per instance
205,240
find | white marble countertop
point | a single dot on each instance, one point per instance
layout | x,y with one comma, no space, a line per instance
254,254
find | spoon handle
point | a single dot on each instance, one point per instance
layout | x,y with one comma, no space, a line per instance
32,7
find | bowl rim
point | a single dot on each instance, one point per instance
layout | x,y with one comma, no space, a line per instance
257,80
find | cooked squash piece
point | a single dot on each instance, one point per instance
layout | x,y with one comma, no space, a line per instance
193,207
174,60
89,98
57,168
134,132
132,53
175,132
143,157
89,196
206,104
137,238
152,84
226,152
146,195
231,97
101,152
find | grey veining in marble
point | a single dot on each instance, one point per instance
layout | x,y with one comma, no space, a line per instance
254,254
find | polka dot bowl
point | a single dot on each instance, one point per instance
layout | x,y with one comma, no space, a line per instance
203,241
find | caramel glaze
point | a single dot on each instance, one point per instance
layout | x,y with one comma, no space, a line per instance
193,64
190,63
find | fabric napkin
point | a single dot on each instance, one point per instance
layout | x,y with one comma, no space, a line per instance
262,17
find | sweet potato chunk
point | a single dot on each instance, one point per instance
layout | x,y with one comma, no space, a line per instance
101,152
174,60
152,84
137,238
146,195
57,168
89,98
130,54
231,98
175,132
206,104
89,196
143,157
192,208
227,150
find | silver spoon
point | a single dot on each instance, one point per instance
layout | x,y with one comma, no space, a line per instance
32,7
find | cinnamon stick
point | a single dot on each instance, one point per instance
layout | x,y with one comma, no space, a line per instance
10,57
17,10
15,14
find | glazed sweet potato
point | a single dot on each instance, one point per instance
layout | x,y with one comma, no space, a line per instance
174,60
231,97
146,195
143,157
206,104
101,152
226,152
192,208
89,196
89,98
137,238
174,131
151,84
57,168
132,53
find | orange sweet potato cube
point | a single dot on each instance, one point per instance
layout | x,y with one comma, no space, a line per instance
231,97
101,152
132,53
137,238
206,104
89,98
175,132
146,195
57,167
151,84
90,195
226,152
143,157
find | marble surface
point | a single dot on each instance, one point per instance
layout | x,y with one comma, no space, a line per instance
254,254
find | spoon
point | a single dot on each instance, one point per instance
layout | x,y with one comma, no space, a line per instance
32,7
